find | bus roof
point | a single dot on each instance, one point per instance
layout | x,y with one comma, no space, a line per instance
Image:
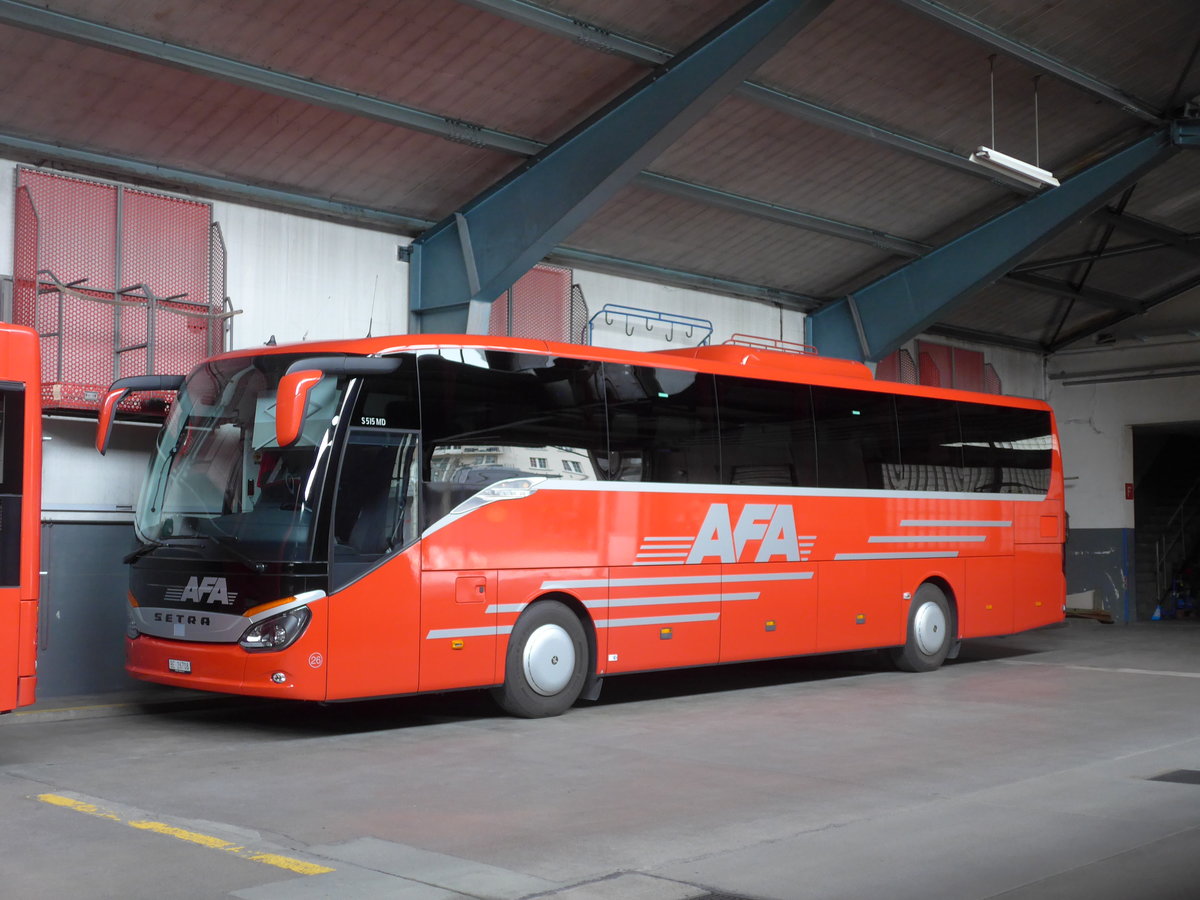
720,359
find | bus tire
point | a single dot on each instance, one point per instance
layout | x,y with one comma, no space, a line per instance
547,662
930,632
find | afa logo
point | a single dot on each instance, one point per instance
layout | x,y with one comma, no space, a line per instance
207,590
765,530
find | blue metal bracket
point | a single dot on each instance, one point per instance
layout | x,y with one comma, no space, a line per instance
689,326
1186,133
907,301
519,220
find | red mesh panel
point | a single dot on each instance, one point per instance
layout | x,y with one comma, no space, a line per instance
103,252
538,306
164,245
25,260
908,368
888,368
218,328
991,381
935,364
968,369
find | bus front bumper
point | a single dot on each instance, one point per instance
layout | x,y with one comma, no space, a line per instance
297,673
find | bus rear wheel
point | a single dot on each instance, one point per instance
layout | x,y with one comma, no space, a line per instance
546,665
930,632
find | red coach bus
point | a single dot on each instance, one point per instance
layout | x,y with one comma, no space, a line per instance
20,513
425,513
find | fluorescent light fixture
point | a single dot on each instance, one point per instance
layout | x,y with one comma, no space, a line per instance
1013,168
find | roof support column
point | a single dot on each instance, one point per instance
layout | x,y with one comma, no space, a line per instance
883,315
459,266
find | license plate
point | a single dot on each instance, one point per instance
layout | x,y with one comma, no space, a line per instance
179,665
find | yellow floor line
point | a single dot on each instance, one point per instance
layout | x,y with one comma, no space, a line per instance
183,834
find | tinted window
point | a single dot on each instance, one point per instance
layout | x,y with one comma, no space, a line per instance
930,446
1006,450
662,425
856,437
766,432
12,424
489,416
389,401
376,506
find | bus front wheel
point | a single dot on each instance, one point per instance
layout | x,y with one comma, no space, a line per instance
546,665
930,632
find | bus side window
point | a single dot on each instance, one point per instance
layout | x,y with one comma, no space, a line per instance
1007,449
856,437
766,433
12,422
931,453
507,415
667,420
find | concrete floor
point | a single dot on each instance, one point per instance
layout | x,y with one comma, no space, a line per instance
1023,770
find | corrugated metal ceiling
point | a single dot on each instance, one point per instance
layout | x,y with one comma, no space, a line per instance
494,78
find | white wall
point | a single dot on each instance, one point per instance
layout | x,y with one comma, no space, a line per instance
1132,383
304,279
1095,424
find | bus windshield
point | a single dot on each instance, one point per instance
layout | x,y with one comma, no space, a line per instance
218,475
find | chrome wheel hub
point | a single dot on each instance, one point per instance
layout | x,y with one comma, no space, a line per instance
929,628
548,659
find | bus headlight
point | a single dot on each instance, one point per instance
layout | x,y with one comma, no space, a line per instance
508,489
277,632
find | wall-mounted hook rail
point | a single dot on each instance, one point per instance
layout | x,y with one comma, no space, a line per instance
632,315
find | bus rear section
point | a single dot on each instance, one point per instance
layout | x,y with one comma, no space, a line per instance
407,515
20,513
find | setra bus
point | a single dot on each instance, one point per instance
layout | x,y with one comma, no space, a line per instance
387,516
20,513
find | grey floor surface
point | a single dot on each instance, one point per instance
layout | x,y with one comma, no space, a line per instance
1058,764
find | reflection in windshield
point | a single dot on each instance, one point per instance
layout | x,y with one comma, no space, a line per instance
218,473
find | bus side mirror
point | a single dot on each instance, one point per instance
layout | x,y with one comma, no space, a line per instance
303,375
290,401
117,392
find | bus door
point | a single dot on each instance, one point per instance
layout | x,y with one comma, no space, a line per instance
374,611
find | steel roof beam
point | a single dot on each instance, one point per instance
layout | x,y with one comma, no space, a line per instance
714,284
973,335
40,152
846,124
1057,262
782,214
1144,228
1063,289
72,28
1163,296
58,25
577,30
878,318
82,31
1033,57
478,252
599,38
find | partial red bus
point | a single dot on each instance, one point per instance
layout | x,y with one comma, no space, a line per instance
20,513
429,513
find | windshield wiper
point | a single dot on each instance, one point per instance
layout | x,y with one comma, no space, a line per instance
205,531
149,547
228,545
